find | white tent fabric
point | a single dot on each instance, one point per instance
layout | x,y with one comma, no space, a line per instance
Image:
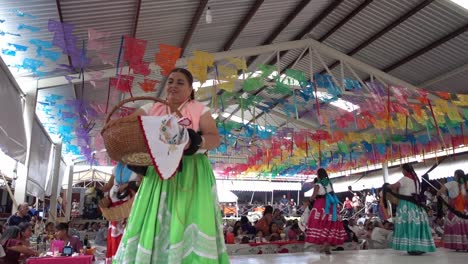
39,160
258,186
12,132
226,196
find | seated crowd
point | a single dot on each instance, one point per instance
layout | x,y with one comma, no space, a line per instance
24,235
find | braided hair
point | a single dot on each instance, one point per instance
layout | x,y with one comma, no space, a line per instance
412,175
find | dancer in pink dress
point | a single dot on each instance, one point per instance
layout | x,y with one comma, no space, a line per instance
324,228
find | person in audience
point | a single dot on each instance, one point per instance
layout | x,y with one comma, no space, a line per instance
239,234
294,232
356,202
61,233
39,228
15,251
456,228
351,236
247,226
20,216
49,231
361,219
358,230
101,235
438,227
348,205
284,205
260,238
412,231
25,233
278,218
324,228
275,232
264,222
382,235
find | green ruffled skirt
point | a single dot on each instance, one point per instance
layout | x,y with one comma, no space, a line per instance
176,220
411,229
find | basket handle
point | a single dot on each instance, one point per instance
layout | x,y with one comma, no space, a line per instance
139,98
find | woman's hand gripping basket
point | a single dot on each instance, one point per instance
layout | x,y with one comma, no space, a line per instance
123,137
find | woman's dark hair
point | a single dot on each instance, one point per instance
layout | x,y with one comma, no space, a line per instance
409,168
62,226
10,232
268,210
23,226
460,176
322,173
48,224
244,219
189,77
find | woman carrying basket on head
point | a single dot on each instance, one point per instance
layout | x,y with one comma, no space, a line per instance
121,186
178,220
412,232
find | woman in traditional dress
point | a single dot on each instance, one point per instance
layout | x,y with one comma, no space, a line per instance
324,228
456,227
121,186
412,232
178,220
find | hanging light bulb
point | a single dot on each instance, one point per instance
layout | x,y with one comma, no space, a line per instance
209,18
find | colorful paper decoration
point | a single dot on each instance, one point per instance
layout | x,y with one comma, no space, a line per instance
134,50
123,83
148,85
240,63
228,77
167,58
198,66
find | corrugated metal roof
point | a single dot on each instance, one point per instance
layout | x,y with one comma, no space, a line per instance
43,11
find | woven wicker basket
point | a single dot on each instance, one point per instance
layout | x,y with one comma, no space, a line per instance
116,213
123,137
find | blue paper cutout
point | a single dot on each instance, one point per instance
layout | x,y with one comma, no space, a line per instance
41,43
49,54
3,33
18,47
9,52
28,27
30,64
21,14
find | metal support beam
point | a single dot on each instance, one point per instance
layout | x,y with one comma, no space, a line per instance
55,182
385,171
444,76
193,25
242,24
69,192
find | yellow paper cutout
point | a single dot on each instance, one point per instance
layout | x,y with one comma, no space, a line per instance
229,75
442,105
198,66
454,115
462,100
238,62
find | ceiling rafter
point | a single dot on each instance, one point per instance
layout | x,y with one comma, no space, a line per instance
136,18
375,37
193,25
427,48
306,30
242,24
384,31
281,27
60,14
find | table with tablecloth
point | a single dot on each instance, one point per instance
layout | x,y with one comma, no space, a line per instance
86,259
